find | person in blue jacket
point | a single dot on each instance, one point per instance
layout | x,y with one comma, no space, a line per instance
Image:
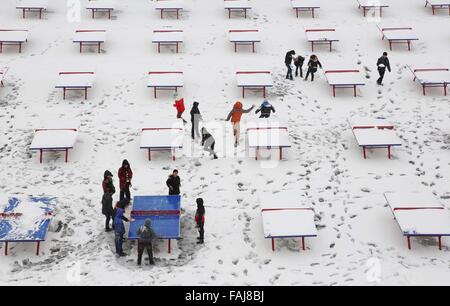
266,108
119,228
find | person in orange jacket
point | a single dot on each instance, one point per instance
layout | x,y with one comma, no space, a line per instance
179,105
235,115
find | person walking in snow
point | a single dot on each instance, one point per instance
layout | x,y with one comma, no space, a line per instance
125,176
298,62
107,199
382,64
200,220
119,228
313,64
208,142
174,183
195,120
146,236
266,108
288,62
235,116
179,105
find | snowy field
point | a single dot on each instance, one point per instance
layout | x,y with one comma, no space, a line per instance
358,243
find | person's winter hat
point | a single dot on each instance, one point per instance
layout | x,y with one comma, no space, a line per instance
107,174
199,201
384,53
148,223
125,162
266,103
238,105
196,104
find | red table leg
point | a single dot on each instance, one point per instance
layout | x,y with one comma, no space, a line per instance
243,92
334,91
409,242
256,153
20,47
173,155
64,93
354,90
159,47
253,44
445,89
303,243
169,246
38,246
273,244
154,92
281,153
389,152
67,155
390,45
364,152
423,90
264,92
99,47
85,94
177,48
40,158
81,47
331,46
6,248
23,13
440,242
312,13
312,46
409,45
149,154
1,47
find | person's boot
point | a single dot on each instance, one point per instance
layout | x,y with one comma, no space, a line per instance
122,254
215,156
201,241
152,262
108,229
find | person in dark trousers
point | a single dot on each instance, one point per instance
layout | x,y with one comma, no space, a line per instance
195,120
174,183
208,143
313,64
298,62
288,62
119,228
107,199
382,64
266,108
145,242
125,176
200,220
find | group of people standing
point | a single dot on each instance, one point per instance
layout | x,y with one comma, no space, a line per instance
298,60
115,215
314,64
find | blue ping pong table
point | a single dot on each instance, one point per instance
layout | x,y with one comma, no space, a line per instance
26,220
163,211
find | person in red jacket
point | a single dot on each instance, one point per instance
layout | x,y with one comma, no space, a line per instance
125,176
179,105
235,115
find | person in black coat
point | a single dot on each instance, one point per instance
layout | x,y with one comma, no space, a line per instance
313,64
382,64
298,62
200,220
195,120
208,143
107,199
288,62
174,183
266,108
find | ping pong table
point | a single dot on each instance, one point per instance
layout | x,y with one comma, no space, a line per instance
267,135
165,80
305,6
368,5
90,38
32,6
168,38
162,136
432,77
438,4
26,220
237,6
163,211
169,6
419,215
398,35
344,78
255,80
102,6
13,37
75,80
244,38
321,37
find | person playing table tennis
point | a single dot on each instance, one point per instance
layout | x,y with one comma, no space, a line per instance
174,183
145,243
119,228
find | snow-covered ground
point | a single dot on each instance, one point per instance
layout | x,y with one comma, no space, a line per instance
358,241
